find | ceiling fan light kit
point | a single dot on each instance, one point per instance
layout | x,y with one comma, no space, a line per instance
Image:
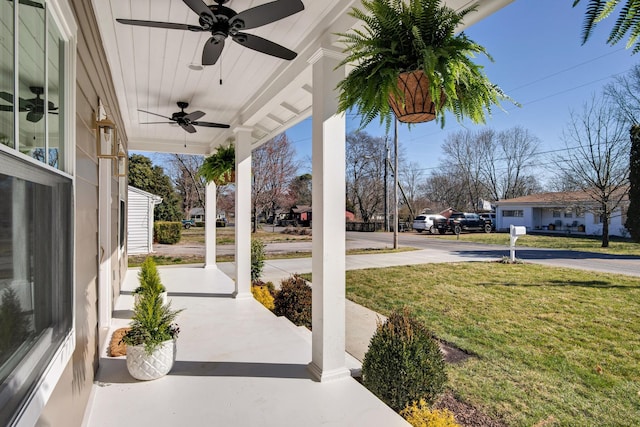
223,22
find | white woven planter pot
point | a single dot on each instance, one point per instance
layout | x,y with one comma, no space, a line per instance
143,366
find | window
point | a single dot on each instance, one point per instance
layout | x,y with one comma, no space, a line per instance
36,205
568,214
36,282
556,214
513,213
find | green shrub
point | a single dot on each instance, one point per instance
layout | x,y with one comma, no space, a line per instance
257,259
149,278
263,296
167,232
293,301
418,414
14,324
404,362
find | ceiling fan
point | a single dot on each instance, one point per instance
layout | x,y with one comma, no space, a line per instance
223,22
187,121
33,106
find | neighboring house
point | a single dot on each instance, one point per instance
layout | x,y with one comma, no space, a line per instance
572,211
140,221
197,214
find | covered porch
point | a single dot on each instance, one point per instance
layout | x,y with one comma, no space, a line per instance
237,364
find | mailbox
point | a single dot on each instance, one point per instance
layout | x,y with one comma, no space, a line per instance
517,230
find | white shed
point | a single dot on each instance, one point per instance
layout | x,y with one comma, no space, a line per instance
140,221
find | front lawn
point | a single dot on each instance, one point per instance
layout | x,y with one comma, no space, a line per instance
553,346
617,245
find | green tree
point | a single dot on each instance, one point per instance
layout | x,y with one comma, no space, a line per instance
633,213
628,20
147,177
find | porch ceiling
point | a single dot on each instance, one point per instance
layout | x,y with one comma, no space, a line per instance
150,70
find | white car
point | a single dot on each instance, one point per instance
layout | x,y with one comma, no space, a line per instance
425,222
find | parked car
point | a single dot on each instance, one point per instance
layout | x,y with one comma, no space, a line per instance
426,222
464,221
490,216
188,223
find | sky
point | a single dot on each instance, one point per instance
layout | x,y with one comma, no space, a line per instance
538,60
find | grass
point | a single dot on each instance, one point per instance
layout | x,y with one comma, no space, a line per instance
136,260
617,245
554,346
226,236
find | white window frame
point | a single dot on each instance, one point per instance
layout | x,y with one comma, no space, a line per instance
62,14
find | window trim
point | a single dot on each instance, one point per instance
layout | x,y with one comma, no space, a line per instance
62,14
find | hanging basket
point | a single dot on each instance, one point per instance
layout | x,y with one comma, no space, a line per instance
417,107
227,178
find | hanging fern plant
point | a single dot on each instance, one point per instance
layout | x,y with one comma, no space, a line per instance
406,36
220,166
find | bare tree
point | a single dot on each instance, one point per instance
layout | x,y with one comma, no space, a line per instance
507,169
189,185
365,157
445,190
274,167
466,157
597,158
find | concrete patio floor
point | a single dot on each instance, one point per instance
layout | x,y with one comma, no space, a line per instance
237,365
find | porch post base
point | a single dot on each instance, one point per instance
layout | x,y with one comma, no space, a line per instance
211,266
325,376
241,295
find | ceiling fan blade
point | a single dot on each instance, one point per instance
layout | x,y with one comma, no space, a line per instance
6,96
211,125
200,8
188,128
212,51
263,45
34,116
6,107
265,14
156,24
158,123
155,114
192,117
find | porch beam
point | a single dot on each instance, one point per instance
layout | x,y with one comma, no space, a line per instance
210,214
243,213
328,184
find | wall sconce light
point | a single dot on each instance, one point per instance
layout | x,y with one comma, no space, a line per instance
106,139
120,164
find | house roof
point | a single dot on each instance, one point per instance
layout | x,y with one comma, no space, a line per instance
155,198
561,198
301,209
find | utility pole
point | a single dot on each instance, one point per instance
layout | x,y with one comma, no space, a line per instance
386,182
396,223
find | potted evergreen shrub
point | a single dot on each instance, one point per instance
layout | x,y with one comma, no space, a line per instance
150,282
151,339
220,167
409,60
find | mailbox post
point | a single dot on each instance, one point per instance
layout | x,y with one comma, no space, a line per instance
515,232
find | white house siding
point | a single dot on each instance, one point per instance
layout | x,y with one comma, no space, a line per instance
140,219
538,217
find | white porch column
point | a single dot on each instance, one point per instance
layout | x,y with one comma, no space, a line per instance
328,264
243,213
210,226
